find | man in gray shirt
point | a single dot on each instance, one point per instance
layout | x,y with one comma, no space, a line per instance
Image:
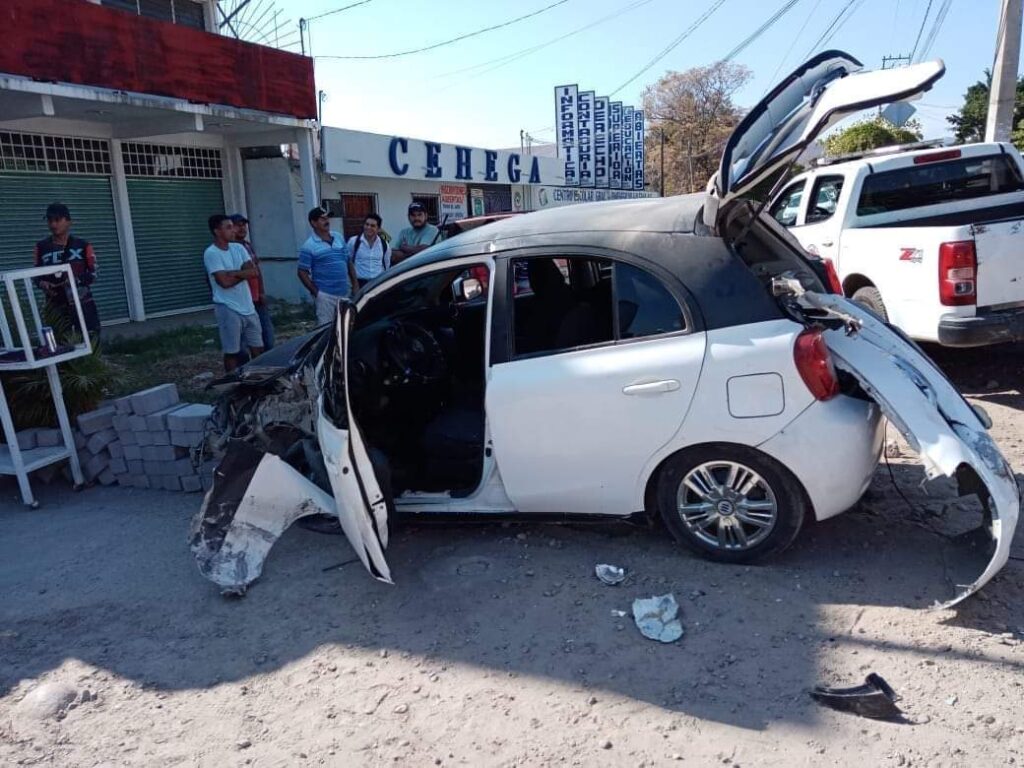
416,238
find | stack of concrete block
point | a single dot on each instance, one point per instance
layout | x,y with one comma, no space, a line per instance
144,440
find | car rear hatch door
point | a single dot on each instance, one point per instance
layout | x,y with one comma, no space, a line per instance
944,429
815,96
1000,264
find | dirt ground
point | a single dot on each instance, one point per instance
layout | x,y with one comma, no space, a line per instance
497,646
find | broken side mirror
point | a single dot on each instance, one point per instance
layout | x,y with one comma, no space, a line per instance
466,289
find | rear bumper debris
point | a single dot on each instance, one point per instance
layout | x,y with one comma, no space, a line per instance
981,330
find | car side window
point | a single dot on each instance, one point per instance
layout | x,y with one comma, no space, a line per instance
563,303
645,306
824,199
785,209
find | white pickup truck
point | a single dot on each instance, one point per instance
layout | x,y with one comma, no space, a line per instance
931,239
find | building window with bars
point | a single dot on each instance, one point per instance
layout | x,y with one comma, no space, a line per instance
175,162
53,154
185,12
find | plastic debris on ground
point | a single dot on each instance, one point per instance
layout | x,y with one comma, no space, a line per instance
657,618
611,575
875,699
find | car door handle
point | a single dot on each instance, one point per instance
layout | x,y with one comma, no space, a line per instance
827,243
651,387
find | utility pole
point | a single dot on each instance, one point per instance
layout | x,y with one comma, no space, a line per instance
891,62
661,173
1003,94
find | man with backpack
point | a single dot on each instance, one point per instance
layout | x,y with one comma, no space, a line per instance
370,254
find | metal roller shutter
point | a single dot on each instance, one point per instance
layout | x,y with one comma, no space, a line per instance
169,218
25,197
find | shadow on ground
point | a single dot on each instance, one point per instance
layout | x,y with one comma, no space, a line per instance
105,576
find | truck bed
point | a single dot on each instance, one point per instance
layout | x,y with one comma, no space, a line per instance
986,215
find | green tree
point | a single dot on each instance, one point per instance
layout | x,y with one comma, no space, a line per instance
870,134
969,121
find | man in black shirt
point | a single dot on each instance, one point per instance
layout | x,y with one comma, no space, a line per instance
61,247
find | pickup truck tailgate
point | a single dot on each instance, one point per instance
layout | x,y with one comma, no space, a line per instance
1000,251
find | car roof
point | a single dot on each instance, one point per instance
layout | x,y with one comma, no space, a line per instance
660,214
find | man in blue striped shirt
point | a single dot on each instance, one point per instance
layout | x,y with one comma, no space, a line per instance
325,267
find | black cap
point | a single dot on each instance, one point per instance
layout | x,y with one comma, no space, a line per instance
238,218
57,211
316,213
416,206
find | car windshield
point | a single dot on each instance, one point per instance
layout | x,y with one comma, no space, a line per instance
932,183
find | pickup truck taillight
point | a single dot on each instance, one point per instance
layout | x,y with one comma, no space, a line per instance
833,277
814,362
958,270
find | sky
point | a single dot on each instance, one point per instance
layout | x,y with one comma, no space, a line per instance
450,94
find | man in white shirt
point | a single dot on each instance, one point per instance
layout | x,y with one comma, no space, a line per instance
229,268
370,253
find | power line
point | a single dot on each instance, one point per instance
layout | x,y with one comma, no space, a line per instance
940,18
454,39
792,45
337,10
783,10
921,30
675,43
509,58
832,28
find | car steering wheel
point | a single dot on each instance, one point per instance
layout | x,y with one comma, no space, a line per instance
414,352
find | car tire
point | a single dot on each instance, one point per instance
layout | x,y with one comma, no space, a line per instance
870,297
774,500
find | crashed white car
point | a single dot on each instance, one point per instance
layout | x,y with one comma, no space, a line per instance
680,358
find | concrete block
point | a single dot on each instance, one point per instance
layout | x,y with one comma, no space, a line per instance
162,453
139,481
137,423
118,466
187,439
136,467
123,405
191,484
132,452
157,421
190,418
96,421
183,467
27,439
154,399
106,477
80,439
160,437
95,465
116,450
122,422
48,438
128,438
100,440
143,438
171,483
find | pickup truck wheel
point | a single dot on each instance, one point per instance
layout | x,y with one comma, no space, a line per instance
870,297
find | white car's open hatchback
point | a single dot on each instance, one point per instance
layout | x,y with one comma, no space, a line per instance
679,357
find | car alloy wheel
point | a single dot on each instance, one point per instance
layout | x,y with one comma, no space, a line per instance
727,505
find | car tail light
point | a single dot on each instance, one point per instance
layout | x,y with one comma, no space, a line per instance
833,277
814,362
958,268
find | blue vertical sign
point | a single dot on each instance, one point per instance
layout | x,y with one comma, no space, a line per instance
638,149
566,103
585,134
615,145
601,142
627,147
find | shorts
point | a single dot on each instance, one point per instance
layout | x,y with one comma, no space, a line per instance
235,328
326,307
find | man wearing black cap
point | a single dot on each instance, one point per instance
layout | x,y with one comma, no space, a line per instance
416,238
259,293
61,247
